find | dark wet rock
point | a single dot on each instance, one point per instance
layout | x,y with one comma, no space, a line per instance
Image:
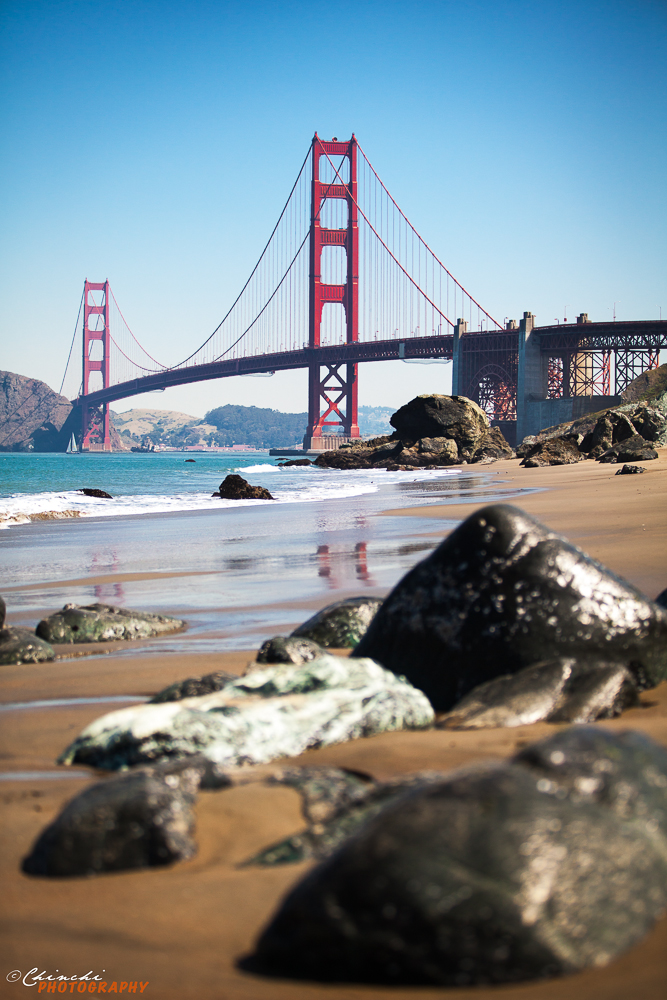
289,649
543,866
559,690
630,470
102,623
132,821
295,462
661,599
100,494
340,625
432,416
501,593
555,451
21,645
190,460
193,687
492,447
634,449
343,458
278,711
235,487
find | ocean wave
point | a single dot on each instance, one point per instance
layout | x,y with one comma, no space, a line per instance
289,486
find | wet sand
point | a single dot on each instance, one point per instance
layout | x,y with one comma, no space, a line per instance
182,929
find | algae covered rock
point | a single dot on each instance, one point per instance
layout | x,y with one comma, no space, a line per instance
21,645
546,865
501,593
102,623
277,711
132,821
340,625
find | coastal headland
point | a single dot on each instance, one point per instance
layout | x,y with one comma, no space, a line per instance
182,929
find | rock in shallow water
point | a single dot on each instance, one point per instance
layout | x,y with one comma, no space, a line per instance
102,623
546,865
133,821
340,625
559,690
274,712
501,593
235,487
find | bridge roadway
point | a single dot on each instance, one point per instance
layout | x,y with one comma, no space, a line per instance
631,335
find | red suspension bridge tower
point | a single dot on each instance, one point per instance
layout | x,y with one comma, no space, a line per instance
96,358
338,389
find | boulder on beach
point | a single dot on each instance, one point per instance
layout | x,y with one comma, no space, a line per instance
431,416
501,593
136,820
273,712
235,487
103,623
340,625
546,865
432,431
21,645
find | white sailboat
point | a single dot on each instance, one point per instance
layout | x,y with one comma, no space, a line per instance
71,447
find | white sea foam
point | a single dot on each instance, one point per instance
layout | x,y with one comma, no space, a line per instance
316,485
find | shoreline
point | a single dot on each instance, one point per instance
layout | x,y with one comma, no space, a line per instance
183,928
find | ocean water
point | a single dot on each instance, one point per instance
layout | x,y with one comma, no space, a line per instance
237,572
167,482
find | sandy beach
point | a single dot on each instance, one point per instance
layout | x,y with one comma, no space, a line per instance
182,929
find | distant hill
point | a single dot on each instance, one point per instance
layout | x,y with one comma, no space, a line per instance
32,415
224,426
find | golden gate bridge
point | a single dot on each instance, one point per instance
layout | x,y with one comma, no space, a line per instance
345,278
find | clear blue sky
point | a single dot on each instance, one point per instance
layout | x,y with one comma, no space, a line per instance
154,142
